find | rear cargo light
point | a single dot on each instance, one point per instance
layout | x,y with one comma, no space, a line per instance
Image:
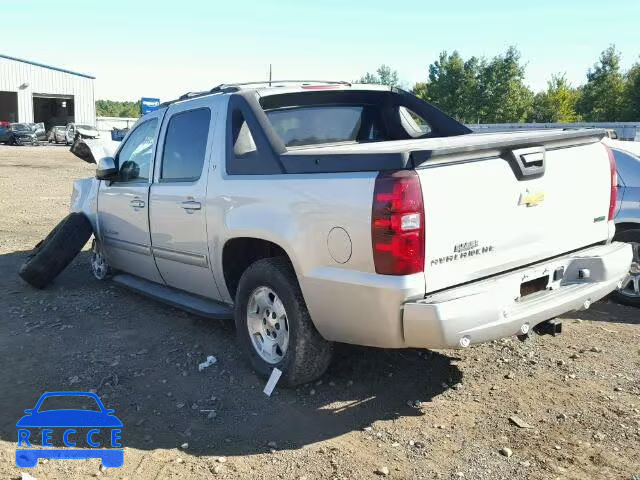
397,223
614,184
321,87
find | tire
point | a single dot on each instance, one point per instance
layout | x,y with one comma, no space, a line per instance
52,255
629,298
307,354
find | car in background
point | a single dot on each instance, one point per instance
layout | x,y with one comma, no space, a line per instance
39,130
18,134
79,130
627,156
118,134
57,134
5,133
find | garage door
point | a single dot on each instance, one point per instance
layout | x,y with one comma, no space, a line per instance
52,109
8,106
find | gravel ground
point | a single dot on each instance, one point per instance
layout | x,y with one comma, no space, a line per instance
400,414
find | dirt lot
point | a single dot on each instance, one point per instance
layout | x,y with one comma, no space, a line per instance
406,414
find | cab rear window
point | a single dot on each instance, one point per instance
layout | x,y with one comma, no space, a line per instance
314,125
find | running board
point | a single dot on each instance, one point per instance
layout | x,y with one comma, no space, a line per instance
176,298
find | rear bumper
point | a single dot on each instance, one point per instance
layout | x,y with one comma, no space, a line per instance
490,309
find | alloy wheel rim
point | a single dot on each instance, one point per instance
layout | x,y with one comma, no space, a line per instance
631,284
99,265
268,325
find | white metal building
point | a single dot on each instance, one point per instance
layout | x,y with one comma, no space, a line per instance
33,92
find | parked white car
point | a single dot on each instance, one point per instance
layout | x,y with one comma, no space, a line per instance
328,212
78,130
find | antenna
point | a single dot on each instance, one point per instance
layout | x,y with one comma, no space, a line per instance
270,74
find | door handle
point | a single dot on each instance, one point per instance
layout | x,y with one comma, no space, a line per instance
137,203
190,206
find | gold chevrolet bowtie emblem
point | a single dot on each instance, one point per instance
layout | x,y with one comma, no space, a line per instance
531,199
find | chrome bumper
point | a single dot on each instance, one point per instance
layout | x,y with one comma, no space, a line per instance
492,309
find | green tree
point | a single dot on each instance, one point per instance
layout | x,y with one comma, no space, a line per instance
603,95
420,90
632,94
111,108
453,84
383,76
477,90
556,104
504,97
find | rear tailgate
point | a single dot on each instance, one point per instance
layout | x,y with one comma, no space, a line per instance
486,214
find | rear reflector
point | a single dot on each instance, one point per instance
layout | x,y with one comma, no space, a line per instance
397,223
613,199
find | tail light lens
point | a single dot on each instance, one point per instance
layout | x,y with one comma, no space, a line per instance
614,184
397,223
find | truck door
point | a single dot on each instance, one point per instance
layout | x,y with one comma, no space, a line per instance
178,198
123,216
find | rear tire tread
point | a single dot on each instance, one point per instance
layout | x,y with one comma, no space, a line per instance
309,354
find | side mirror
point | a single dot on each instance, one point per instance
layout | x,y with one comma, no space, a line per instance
107,169
29,411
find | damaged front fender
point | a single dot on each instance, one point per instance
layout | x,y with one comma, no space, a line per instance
84,199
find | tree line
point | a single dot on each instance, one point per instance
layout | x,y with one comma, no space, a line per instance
112,108
481,90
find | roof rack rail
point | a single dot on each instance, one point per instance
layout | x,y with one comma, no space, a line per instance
234,87
271,82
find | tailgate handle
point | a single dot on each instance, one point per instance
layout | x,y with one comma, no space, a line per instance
528,162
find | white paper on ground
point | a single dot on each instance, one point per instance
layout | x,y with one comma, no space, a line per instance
271,383
210,361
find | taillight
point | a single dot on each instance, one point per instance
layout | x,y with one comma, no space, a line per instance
397,223
613,199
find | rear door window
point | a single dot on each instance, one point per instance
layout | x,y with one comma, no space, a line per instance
185,146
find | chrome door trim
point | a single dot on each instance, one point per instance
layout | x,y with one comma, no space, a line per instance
182,257
128,246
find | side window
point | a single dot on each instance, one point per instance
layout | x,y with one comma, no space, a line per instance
136,155
414,124
185,145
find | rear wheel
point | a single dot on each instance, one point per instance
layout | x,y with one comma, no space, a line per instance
629,294
273,324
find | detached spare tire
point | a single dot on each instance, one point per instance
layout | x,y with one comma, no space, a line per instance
52,255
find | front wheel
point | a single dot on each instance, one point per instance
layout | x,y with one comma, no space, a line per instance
99,266
274,327
629,294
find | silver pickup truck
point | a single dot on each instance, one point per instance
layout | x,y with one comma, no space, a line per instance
322,212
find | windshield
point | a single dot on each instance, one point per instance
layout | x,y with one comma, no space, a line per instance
20,127
66,402
314,125
86,127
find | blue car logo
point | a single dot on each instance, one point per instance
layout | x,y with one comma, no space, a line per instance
96,420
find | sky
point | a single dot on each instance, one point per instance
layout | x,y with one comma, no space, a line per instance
138,48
